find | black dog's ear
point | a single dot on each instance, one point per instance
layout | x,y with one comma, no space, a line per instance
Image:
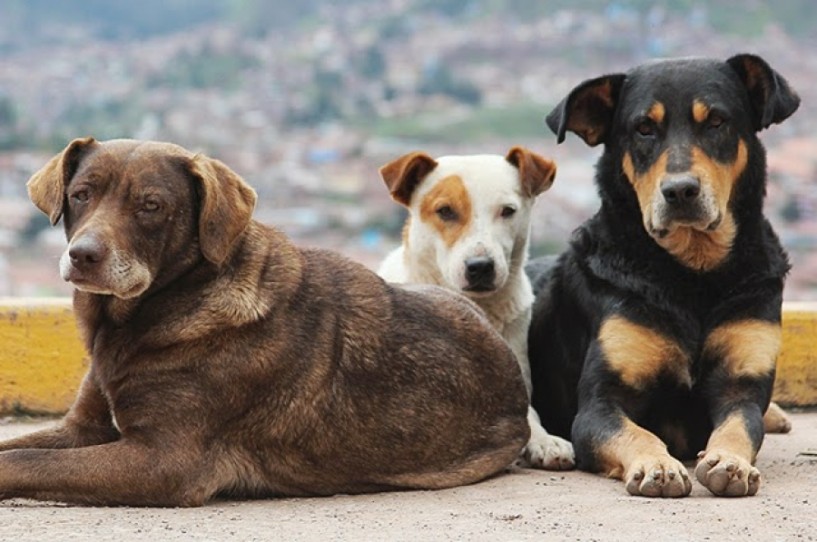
588,109
46,188
773,100
227,203
403,174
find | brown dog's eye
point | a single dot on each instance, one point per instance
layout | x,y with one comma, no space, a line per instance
507,211
150,206
80,196
446,213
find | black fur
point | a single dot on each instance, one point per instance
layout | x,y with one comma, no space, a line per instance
613,267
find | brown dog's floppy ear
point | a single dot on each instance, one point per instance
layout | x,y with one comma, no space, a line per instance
46,188
773,100
404,174
227,203
588,109
535,172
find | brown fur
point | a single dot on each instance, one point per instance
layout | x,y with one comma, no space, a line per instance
657,113
536,173
727,465
697,249
641,459
749,348
639,355
250,367
403,175
700,111
448,192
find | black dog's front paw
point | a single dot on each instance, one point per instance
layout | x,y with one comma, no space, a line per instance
658,477
727,475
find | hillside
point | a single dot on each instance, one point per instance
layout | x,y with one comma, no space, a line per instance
306,99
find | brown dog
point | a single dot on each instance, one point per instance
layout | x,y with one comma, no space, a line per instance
226,361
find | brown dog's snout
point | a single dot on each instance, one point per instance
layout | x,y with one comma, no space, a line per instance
681,190
87,251
480,273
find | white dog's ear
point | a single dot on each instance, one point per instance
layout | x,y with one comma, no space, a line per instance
535,172
404,174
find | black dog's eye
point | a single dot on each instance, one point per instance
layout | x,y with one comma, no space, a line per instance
446,213
645,128
507,211
715,120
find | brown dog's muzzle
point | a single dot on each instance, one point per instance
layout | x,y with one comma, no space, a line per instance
86,253
93,264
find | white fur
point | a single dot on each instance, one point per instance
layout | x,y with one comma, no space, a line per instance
492,183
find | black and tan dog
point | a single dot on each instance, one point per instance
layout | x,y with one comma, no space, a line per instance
655,335
227,361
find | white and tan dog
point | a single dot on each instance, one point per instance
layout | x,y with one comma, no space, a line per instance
468,231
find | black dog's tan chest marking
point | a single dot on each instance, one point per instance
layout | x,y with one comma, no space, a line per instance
639,355
745,348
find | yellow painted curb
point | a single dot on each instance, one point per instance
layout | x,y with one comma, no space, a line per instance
42,359
796,382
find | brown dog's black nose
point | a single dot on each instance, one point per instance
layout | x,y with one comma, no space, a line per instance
480,273
86,252
680,190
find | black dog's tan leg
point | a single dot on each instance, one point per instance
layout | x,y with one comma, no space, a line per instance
118,473
745,351
625,360
775,420
641,460
88,422
726,467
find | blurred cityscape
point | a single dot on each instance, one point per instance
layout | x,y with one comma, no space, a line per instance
307,99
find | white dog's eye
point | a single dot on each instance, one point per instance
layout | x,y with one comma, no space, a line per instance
446,213
507,211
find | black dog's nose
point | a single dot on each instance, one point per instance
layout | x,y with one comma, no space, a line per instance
680,190
480,272
86,252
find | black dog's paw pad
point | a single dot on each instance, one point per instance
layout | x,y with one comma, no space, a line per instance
727,475
660,477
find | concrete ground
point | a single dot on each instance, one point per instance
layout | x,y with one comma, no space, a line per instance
522,505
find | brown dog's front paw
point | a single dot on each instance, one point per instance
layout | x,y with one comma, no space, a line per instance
727,475
658,477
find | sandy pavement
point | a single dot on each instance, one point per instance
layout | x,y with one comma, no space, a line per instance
521,505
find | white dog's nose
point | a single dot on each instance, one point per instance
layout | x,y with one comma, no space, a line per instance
480,272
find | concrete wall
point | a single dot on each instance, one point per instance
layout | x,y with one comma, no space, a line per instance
42,359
